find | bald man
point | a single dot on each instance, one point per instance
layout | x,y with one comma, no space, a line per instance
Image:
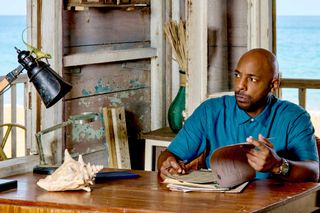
253,115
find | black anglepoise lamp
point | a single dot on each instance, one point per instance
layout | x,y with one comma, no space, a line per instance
50,86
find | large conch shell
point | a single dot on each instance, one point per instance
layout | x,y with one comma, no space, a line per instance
71,175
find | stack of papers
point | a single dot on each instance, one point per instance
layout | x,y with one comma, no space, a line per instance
199,181
230,172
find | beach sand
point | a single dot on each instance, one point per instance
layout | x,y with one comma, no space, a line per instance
315,118
20,132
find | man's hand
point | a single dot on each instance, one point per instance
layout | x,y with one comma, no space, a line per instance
263,158
168,165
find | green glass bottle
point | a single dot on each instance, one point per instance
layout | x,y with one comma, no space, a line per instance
178,105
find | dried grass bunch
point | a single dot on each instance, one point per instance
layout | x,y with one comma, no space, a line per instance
176,35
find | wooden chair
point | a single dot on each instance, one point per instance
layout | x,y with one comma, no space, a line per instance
9,126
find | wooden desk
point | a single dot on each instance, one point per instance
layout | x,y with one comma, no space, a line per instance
157,138
145,194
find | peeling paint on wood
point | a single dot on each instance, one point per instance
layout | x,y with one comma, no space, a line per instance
85,131
89,137
109,78
100,88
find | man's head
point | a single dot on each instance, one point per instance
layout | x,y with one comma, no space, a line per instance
255,76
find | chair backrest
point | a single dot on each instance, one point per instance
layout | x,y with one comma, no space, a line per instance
3,142
318,146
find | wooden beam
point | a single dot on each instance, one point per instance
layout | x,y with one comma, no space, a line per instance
299,83
260,24
52,42
197,33
105,56
158,113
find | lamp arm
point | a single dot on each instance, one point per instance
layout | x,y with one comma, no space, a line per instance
45,131
10,77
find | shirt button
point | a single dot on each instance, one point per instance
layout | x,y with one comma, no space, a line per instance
252,119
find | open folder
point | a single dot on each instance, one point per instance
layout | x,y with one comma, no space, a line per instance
230,172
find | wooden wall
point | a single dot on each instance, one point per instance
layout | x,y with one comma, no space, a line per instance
227,41
125,83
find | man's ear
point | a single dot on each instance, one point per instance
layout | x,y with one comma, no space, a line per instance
275,84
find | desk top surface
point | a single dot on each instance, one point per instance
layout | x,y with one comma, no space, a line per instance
147,194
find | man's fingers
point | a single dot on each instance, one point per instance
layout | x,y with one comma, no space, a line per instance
265,141
258,145
175,165
170,167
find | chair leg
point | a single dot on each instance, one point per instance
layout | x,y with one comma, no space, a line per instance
3,156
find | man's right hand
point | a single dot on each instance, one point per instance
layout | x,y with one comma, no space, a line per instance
168,165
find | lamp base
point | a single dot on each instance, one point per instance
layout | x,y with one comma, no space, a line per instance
44,169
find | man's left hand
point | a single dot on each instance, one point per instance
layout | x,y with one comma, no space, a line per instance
263,158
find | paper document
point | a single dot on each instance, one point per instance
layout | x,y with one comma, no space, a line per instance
230,171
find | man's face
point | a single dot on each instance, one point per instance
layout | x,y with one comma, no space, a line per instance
253,80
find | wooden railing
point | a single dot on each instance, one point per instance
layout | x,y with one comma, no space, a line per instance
302,85
11,111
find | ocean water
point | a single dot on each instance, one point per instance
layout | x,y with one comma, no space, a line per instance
298,53
10,37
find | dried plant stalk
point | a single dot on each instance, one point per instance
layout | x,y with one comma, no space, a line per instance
176,35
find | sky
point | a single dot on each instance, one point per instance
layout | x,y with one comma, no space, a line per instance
284,7
13,7
298,7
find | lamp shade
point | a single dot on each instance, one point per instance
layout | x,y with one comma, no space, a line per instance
50,86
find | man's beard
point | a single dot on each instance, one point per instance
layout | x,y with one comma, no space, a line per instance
246,103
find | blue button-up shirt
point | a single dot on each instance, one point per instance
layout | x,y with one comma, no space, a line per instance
219,122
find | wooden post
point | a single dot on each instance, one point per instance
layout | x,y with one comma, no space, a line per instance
197,35
260,24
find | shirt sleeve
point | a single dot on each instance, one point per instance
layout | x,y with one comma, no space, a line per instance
191,139
301,139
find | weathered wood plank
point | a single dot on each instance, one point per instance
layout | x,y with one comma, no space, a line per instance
120,137
299,83
196,32
109,134
51,39
157,64
106,56
103,26
260,24
108,78
18,165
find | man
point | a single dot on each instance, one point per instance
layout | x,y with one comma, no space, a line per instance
281,131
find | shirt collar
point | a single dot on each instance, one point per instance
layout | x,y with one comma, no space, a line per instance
243,117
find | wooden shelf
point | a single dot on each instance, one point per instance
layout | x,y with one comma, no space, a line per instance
86,6
106,56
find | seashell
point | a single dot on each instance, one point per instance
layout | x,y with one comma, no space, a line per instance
71,175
